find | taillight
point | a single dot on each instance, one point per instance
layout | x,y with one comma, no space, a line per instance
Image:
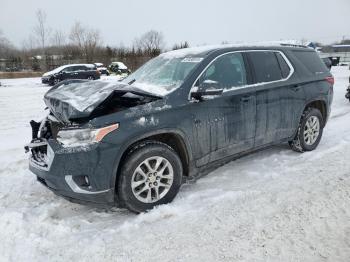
330,79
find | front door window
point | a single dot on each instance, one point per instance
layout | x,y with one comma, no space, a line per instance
226,72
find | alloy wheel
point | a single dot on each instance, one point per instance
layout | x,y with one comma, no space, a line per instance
152,179
311,130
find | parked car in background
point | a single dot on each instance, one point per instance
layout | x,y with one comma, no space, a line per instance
180,115
119,68
74,71
328,62
102,69
347,95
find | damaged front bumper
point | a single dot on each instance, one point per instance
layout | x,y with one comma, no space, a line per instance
80,174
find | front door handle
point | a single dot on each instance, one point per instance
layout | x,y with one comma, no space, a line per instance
246,99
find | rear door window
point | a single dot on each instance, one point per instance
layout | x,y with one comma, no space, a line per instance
311,61
80,68
266,66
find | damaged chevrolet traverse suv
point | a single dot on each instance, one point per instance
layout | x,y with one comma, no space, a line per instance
133,143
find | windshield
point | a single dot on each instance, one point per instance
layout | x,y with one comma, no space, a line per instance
162,74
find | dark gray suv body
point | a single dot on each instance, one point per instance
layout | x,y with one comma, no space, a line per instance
133,143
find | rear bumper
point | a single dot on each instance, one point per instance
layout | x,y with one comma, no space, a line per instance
65,170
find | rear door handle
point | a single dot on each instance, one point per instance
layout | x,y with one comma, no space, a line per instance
246,99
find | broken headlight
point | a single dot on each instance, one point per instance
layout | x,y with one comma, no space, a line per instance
83,137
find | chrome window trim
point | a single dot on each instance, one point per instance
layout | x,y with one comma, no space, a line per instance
251,85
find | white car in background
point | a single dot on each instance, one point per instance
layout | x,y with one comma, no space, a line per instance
119,68
102,69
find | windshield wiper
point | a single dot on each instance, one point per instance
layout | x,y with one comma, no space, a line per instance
132,81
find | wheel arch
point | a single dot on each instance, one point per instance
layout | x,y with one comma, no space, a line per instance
320,105
176,139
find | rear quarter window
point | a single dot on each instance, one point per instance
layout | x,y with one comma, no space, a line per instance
285,69
311,61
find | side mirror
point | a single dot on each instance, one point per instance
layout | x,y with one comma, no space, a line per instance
207,90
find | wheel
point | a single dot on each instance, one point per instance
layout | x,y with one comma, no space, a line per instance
151,175
91,78
309,132
55,81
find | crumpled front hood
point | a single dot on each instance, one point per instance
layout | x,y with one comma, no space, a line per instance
77,99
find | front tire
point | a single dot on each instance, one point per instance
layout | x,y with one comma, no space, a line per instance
309,132
151,175
56,81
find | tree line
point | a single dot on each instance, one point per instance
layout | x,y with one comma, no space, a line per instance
46,48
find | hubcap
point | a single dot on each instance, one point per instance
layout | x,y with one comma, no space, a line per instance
311,130
152,179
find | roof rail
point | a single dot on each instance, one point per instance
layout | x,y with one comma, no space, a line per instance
294,45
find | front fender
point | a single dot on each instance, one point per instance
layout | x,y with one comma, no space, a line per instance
123,147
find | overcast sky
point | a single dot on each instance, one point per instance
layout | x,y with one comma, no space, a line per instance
197,21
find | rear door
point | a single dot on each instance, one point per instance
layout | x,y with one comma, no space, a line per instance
225,125
80,72
278,96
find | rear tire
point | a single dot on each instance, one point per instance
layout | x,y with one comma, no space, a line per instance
309,131
151,175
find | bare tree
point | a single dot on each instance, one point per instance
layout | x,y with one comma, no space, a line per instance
42,33
29,44
87,40
151,42
58,38
6,46
181,45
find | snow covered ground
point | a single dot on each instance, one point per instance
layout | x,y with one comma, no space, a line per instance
275,205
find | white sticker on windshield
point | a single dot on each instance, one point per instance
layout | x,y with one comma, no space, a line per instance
192,59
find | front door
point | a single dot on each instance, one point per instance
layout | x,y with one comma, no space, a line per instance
224,125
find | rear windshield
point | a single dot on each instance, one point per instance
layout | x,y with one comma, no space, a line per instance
311,61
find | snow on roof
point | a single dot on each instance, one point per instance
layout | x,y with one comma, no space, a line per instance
121,65
193,51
